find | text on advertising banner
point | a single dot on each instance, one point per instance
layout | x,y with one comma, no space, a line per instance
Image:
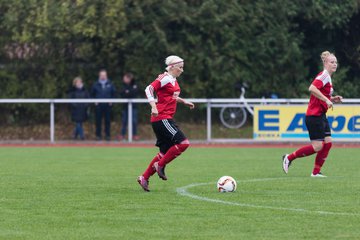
288,122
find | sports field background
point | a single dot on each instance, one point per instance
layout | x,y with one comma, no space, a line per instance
92,193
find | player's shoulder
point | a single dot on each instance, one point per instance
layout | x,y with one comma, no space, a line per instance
161,76
165,78
323,76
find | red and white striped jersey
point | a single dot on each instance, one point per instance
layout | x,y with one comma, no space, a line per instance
322,82
167,90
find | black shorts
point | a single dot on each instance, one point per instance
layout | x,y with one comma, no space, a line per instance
167,134
318,127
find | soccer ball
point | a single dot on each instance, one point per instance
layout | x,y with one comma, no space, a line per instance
226,184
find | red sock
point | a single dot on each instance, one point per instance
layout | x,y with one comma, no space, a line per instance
150,169
173,152
302,152
321,157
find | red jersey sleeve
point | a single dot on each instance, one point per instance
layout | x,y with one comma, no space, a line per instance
318,83
156,85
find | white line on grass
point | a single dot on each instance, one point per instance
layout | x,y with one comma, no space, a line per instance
183,191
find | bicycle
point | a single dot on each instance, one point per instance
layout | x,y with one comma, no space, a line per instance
236,116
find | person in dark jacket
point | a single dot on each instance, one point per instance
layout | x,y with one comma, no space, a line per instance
129,90
79,110
103,88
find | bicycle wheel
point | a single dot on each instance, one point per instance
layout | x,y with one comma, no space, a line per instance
233,117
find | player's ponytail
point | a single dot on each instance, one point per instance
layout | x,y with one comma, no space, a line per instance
172,60
324,55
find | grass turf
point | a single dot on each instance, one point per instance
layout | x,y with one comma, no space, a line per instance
91,193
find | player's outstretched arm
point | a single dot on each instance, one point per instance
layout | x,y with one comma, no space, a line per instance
337,99
149,91
187,103
154,110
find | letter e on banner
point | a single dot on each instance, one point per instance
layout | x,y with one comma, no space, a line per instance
266,117
354,124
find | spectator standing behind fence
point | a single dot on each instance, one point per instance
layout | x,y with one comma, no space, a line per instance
103,88
79,110
129,90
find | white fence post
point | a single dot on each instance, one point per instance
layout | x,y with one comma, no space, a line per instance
52,121
208,120
130,121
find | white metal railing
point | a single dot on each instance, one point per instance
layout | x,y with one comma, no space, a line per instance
210,103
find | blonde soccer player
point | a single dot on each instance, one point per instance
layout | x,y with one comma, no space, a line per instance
171,141
321,100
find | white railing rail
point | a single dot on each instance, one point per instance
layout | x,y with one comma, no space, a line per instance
195,100
210,102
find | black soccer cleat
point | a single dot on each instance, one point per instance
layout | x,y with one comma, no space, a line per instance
160,171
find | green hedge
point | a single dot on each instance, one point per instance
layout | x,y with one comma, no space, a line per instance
272,45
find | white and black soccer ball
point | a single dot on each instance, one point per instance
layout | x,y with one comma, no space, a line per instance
226,184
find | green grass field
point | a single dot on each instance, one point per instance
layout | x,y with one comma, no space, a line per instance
92,193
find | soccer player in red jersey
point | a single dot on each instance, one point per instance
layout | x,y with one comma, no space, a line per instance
170,139
321,100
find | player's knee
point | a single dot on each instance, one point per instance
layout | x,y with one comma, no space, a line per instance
328,145
184,145
328,140
318,146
